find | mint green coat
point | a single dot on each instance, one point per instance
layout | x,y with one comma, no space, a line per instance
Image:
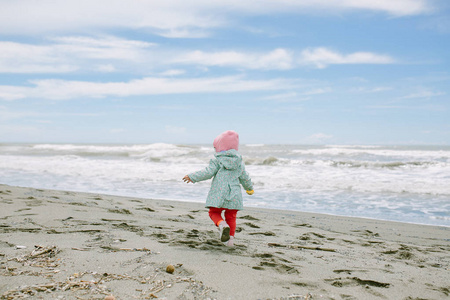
229,174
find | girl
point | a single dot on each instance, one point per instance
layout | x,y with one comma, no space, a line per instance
228,171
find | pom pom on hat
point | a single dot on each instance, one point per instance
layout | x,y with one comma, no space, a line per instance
226,141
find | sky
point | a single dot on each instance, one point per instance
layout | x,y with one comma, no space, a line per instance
277,72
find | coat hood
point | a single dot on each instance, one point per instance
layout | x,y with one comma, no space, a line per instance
230,159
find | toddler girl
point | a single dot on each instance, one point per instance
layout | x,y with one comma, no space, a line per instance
229,173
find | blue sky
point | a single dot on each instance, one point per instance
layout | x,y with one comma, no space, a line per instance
297,72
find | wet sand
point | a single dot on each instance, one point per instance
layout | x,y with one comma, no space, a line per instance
70,245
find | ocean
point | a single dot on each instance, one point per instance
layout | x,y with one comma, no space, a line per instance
396,183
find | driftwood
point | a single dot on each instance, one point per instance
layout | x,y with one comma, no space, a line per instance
46,257
301,247
115,249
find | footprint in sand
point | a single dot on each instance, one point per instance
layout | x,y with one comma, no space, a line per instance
248,217
276,265
33,202
302,225
266,233
276,262
122,211
146,209
187,216
126,226
367,233
354,281
251,225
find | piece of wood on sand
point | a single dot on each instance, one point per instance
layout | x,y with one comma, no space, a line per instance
301,247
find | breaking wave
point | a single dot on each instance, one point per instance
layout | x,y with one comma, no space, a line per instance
398,183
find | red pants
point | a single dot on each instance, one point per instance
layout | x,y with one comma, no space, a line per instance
230,217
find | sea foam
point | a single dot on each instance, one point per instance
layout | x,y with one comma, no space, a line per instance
409,184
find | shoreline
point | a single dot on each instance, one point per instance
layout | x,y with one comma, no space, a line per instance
94,245
245,207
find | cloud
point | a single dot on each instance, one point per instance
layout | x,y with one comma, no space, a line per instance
322,57
319,138
282,96
172,72
371,90
183,33
423,94
69,54
297,96
174,107
317,91
174,129
169,17
422,108
108,68
440,24
279,59
117,130
6,114
395,8
64,89
9,93
173,18
111,54
292,97
26,58
12,132
106,47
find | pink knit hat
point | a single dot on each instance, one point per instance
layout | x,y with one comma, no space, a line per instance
226,141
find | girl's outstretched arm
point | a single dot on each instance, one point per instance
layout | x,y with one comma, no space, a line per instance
206,173
187,179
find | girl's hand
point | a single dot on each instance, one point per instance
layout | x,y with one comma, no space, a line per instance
250,192
187,179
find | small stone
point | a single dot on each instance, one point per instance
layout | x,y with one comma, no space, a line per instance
170,269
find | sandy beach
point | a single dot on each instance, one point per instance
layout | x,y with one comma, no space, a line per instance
69,245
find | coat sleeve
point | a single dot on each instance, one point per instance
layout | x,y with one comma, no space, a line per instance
206,173
245,180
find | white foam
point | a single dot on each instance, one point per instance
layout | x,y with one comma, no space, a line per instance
348,184
391,153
